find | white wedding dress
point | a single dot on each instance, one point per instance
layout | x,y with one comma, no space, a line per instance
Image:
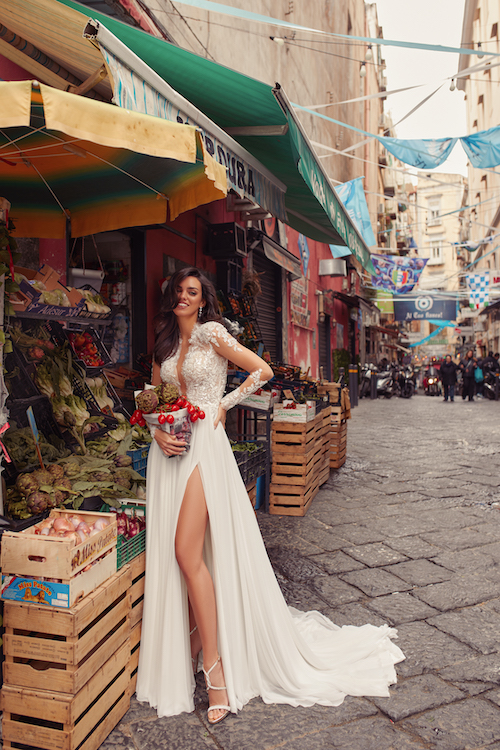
268,649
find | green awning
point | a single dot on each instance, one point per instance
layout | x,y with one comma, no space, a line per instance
259,119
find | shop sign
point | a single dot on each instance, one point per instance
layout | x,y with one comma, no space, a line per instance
132,92
299,313
425,308
328,303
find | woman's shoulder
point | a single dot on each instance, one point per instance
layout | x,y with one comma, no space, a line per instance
207,333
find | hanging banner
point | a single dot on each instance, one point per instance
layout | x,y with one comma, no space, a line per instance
304,253
395,274
478,285
425,308
429,337
299,313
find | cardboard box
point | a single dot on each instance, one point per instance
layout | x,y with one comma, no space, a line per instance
262,400
28,298
54,570
301,413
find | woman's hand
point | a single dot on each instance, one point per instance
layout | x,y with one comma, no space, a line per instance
169,444
221,417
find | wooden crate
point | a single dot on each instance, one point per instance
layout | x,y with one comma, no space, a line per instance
56,571
338,414
138,574
65,648
46,720
299,464
135,643
252,493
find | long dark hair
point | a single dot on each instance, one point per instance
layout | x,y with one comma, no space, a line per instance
166,327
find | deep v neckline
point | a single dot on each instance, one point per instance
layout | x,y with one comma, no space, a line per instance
179,365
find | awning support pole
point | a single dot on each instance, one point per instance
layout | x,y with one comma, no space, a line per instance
96,77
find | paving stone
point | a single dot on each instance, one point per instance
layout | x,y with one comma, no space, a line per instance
324,541
300,596
117,740
401,607
494,696
375,581
337,562
485,669
469,724
474,688
459,538
373,734
354,614
474,560
403,525
413,546
460,591
182,732
293,566
417,694
376,554
479,627
420,572
427,649
335,591
358,534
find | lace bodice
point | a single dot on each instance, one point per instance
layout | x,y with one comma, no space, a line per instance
204,369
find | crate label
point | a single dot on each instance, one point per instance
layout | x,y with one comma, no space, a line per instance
28,590
93,547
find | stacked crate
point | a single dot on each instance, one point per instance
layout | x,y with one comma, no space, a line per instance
138,574
300,463
338,437
67,671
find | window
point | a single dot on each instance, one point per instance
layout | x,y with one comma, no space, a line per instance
494,30
480,99
474,124
433,213
436,253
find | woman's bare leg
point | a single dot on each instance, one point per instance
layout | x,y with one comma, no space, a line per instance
189,537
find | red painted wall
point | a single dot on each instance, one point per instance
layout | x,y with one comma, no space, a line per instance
9,71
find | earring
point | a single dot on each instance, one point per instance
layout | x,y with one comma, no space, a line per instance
200,312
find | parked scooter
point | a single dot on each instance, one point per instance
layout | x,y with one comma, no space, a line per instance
490,384
406,381
386,384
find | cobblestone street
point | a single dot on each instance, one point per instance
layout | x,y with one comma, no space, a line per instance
407,532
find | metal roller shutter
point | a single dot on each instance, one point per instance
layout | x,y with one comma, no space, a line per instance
268,302
324,347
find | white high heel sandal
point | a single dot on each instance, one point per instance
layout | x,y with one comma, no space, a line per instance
224,708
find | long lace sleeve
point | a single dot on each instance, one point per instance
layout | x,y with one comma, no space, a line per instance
227,346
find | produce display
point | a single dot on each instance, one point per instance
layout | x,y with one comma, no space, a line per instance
163,400
75,528
129,526
70,482
85,348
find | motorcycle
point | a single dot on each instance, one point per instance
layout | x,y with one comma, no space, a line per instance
489,384
367,372
385,384
432,386
406,381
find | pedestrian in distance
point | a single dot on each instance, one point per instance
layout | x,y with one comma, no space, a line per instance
448,373
490,364
479,378
211,595
468,367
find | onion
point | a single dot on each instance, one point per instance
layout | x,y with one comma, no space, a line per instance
46,523
101,524
52,532
71,536
75,520
94,531
81,535
82,526
45,531
62,524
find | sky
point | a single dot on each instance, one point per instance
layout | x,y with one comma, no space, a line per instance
434,22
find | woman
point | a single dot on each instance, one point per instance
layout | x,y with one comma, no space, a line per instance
448,373
209,583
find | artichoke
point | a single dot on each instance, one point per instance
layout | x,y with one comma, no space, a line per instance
166,393
122,461
27,483
56,470
122,477
147,401
72,469
100,476
43,476
63,486
39,501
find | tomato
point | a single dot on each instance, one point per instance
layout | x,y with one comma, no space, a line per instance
133,419
79,340
141,422
170,418
137,414
162,418
193,417
175,407
190,408
201,414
